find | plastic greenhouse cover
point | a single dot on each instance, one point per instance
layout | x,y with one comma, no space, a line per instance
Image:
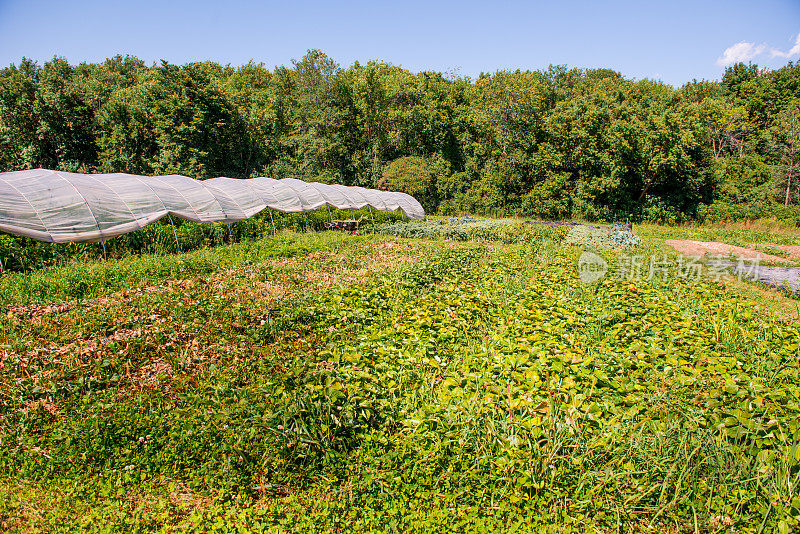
59,207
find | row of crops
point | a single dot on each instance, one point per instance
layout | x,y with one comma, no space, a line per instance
614,237
477,387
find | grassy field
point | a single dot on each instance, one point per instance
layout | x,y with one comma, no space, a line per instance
466,382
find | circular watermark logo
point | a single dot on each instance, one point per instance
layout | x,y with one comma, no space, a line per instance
591,267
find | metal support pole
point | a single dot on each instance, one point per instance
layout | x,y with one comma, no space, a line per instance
175,233
230,234
306,218
105,255
329,212
272,221
371,217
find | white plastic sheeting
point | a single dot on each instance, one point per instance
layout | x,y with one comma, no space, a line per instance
59,206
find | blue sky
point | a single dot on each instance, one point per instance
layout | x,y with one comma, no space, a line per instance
672,41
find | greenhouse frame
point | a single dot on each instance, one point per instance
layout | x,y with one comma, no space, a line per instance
58,207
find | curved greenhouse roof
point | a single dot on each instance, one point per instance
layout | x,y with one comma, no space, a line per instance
60,206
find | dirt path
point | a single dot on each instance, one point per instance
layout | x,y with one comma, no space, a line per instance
713,248
785,277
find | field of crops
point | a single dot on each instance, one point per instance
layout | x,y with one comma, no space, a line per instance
428,379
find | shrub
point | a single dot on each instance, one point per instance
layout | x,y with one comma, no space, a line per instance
413,176
655,210
550,198
724,212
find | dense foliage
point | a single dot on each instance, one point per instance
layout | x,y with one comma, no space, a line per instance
336,383
554,143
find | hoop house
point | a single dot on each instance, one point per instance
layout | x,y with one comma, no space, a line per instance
59,207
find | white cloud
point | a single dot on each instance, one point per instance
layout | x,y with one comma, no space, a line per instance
794,51
742,51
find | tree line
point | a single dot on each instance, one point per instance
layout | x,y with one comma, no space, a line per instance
555,143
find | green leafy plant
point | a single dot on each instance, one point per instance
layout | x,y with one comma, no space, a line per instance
475,385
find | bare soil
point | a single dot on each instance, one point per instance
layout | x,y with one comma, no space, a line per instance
713,248
782,277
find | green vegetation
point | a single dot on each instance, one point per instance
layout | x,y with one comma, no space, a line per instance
557,143
411,175
328,382
25,254
773,250
470,229
740,236
78,280
616,237
453,375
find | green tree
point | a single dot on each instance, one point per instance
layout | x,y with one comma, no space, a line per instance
19,142
786,138
412,175
177,120
549,143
